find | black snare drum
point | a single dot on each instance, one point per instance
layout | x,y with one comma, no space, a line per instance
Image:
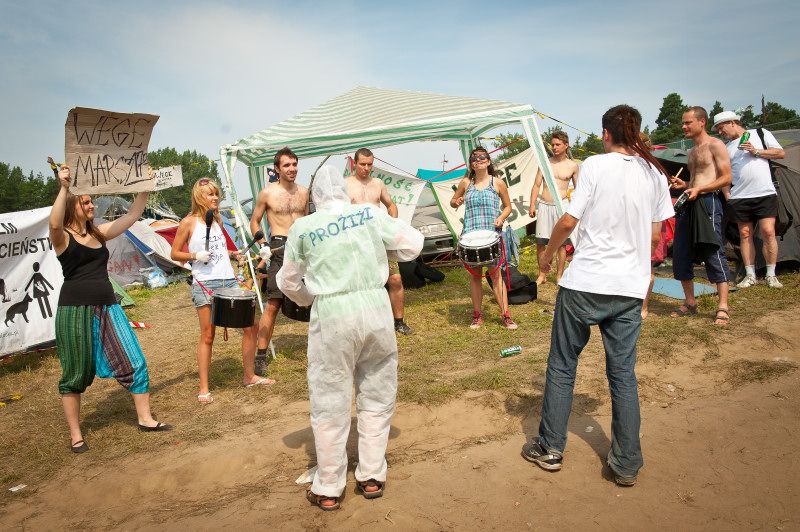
233,307
478,248
293,311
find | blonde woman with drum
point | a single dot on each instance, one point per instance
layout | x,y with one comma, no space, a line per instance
211,270
482,193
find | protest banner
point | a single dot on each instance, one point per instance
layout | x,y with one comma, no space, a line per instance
30,281
518,172
404,190
168,177
106,151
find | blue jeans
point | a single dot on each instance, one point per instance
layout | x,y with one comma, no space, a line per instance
620,321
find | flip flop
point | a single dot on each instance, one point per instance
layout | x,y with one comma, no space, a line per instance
679,312
263,382
205,398
362,487
317,500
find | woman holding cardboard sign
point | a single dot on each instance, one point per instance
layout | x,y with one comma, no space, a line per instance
93,336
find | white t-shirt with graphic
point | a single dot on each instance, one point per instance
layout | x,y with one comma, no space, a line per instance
751,177
617,199
219,265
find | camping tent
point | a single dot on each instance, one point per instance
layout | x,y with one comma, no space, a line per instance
139,247
374,117
788,176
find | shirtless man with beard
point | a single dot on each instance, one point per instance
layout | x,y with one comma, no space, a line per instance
282,203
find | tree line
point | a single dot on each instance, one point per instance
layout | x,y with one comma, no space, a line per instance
20,191
773,116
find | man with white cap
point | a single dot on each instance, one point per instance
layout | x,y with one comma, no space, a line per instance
342,251
753,197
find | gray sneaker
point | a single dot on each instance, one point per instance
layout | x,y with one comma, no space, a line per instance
402,328
773,282
625,481
548,460
747,282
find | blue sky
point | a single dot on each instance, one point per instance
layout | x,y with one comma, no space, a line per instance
216,73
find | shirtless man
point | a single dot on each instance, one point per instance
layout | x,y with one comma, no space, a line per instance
365,189
564,170
709,171
283,203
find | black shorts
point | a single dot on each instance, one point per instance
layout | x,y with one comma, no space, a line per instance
275,263
752,209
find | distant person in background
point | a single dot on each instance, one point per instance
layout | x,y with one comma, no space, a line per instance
483,192
211,270
753,197
93,336
710,173
365,189
660,252
621,199
564,171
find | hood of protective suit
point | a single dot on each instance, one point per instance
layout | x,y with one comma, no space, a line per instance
329,190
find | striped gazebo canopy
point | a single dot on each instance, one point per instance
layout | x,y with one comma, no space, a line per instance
372,117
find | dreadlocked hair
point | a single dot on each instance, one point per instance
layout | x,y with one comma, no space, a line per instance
623,122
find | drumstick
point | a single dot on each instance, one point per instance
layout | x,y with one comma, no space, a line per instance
676,176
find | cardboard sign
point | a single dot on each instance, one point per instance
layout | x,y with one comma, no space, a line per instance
107,151
168,177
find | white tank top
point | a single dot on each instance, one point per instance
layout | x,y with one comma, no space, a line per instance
219,265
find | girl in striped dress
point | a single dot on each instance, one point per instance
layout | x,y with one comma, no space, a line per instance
482,193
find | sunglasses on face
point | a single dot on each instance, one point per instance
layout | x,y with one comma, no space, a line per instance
481,157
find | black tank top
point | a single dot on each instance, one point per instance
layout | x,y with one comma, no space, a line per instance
85,276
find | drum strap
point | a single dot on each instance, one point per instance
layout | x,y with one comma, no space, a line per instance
499,264
225,332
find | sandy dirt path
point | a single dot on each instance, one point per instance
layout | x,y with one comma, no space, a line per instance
717,457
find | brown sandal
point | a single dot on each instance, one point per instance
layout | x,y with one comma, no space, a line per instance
679,312
722,317
317,500
372,483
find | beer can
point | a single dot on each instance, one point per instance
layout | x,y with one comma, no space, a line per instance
744,138
508,351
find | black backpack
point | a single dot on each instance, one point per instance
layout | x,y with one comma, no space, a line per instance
784,220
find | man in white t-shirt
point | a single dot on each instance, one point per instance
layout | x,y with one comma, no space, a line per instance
753,197
620,201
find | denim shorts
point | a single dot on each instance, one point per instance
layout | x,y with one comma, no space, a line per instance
201,298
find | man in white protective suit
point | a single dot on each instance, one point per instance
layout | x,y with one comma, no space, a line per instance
342,251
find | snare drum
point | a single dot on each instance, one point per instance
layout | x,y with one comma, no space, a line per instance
233,307
294,311
478,248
